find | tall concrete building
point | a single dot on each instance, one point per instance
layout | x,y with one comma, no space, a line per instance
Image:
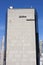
21,37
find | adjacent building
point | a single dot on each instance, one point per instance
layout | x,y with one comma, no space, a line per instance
2,52
41,47
41,52
0,56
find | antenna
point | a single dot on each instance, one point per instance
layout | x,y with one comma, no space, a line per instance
11,2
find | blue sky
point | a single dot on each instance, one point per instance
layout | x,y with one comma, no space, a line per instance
5,4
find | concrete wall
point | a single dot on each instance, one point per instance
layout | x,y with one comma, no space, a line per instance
21,43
